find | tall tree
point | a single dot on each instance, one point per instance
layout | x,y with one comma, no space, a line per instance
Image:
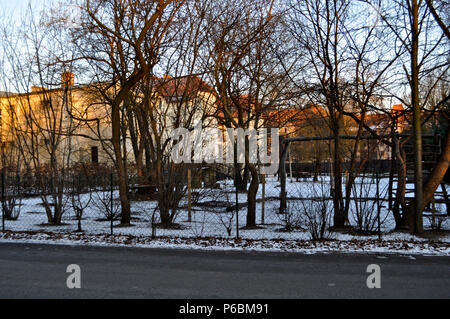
121,40
415,28
244,40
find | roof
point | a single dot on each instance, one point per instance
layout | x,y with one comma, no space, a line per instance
186,87
397,108
168,87
294,117
4,94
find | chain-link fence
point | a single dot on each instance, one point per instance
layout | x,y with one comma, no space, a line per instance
64,202
206,205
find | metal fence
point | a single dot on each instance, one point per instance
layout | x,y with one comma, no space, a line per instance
90,203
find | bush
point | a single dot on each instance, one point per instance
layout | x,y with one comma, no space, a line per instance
364,210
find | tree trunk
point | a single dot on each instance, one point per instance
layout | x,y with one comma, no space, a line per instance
123,181
251,196
282,176
417,225
240,180
339,213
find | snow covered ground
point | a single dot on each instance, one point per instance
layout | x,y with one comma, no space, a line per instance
209,221
406,246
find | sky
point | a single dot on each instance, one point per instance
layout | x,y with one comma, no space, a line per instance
15,5
11,12
13,8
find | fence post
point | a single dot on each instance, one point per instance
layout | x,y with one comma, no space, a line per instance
112,203
237,204
378,205
236,172
189,182
391,179
290,163
263,179
282,174
3,200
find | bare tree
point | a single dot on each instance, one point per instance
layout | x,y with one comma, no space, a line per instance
121,41
80,193
37,117
345,74
243,48
426,50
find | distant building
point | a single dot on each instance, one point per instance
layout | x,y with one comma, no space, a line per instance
72,123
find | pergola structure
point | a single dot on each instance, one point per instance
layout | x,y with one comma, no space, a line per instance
286,142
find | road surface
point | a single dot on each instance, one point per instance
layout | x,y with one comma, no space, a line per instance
39,271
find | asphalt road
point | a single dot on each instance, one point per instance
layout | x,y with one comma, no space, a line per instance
39,271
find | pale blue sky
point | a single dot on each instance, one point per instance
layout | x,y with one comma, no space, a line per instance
14,8
16,5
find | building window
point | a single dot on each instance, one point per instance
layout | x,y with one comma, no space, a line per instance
94,154
44,141
46,103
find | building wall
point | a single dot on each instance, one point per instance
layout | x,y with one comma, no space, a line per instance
38,124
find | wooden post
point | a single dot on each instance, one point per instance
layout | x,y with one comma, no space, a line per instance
391,179
111,177
290,164
3,199
331,178
378,205
189,195
237,196
282,174
263,180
